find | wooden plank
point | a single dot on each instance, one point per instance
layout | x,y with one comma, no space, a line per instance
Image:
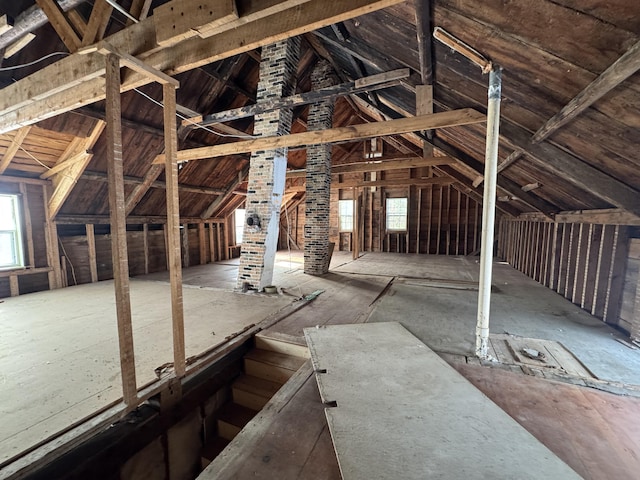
78,21
91,247
380,165
219,241
119,232
6,23
51,241
28,226
618,72
60,24
334,135
139,9
75,81
60,166
173,227
18,45
361,422
396,182
13,148
140,190
366,84
615,277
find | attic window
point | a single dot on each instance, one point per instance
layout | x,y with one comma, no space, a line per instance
396,214
345,214
10,233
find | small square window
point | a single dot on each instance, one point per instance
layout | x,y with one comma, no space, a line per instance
345,215
10,233
397,214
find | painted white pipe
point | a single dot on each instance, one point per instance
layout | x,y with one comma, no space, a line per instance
488,212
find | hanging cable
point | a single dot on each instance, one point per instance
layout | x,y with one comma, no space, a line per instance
187,119
23,65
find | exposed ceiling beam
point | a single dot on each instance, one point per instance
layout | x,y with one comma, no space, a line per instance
425,44
214,206
373,82
334,135
76,80
372,165
139,9
572,169
30,20
506,163
129,180
618,72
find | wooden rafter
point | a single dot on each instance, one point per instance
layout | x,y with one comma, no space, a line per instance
373,82
98,21
623,68
425,44
334,135
381,165
76,80
139,9
66,179
60,24
214,206
13,148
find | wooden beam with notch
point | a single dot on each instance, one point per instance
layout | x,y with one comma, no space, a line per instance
333,135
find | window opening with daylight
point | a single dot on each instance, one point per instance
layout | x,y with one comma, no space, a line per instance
396,214
345,214
240,212
10,233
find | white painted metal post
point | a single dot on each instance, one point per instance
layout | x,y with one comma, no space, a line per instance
488,212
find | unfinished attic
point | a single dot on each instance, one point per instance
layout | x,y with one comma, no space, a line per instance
305,239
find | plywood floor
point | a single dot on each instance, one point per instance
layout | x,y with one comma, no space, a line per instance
596,433
59,360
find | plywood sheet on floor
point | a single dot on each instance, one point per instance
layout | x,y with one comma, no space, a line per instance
402,412
59,358
596,433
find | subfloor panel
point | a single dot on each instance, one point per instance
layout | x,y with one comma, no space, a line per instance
59,360
402,412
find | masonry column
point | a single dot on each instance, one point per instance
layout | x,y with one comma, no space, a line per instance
267,170
316,229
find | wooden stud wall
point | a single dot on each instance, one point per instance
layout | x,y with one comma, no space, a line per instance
583,262
441,220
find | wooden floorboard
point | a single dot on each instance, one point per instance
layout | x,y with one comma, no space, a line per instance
596,433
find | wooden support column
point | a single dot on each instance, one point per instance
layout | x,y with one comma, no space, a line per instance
51,242
145,247
202,240
28,226
91,247
173,227
212,245
119,231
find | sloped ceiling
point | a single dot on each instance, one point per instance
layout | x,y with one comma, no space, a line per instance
549,51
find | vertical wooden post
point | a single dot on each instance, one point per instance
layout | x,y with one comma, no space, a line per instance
355,244
51,242
212,245
419,219
604,258
202,240
28,226
91,247
173,227
119,230
430,215
185,245
458,223
219,241
145,247
615,279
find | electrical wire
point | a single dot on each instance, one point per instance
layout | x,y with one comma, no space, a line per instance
187,119
23,65
45,165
